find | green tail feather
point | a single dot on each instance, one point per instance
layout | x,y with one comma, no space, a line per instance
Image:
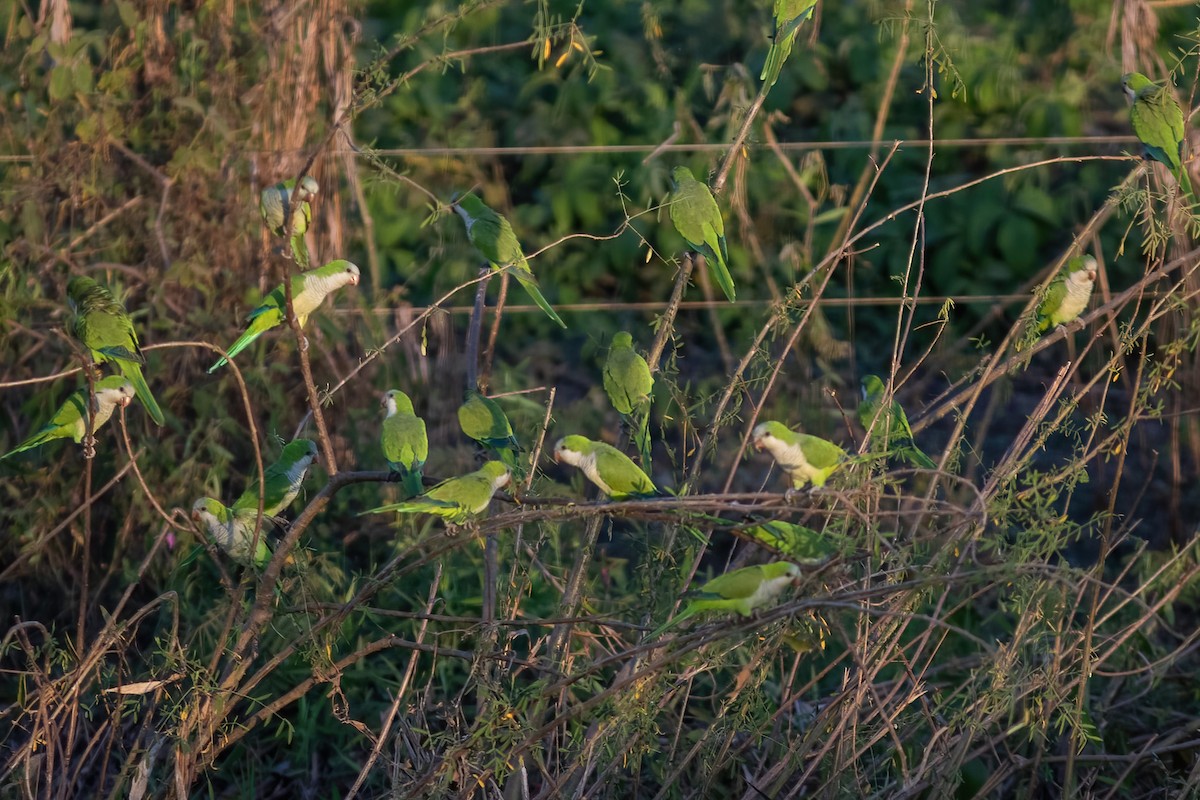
300,250
411,482
134,373
36,440
536,294
671,623
720,274
917,457
241,344
640,423
770,71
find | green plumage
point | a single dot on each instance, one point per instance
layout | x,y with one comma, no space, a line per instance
232,530
456,500
789,16
493,237
800,544
805,458
273,201
1068,294
695,214
282,479
104,328
482,419
891,424
309,290
1158,123
628,383
742,591
606,466
404,441
70,420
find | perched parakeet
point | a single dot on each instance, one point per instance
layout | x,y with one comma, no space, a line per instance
402,435
232,530
800,544
309,290
70,420
893,422
606,466
458,499
803,457
789,16
104,328
695,214
628,382
272,202
1068,294
742,591
482,419
1158,124
493,237
282,479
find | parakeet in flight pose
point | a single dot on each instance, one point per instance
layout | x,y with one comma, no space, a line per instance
309,290
104,328
283,479
789,16
742,591
1158,124
628,382
482,419
232,530
70,420
272,202
458,499
402,436
695,214
606,466
1068,294
893,422
800,544
493,237
802,456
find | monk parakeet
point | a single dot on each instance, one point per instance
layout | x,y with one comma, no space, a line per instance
742,591
70,420
803,457
104,328
482,419
628,382
309,290
1068,294
695,214
606,466
1158,124
789,16
893,422
272,202
232,530
282,479
402,435
458,499
802,545
493,237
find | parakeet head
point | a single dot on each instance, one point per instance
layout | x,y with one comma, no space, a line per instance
871,385
396,401
345,271
207,508
1081,269
681,175
622,339
467,204
570,449
766,431
297,450
497,473
1134,82
114,389
307,189
78,288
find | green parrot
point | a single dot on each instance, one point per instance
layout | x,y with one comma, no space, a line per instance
628,382
104,328
800,544
1068,294
69,421
742,591
789,16
606,466
493,237
272,202
695,214
894,422
482,419
282,479
1158,124
803,457
309,290
232,530
405,445
458,499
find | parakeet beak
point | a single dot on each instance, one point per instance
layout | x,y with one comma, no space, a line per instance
1091,275
125,401
557,459
195,515
383,401
758,443
354,279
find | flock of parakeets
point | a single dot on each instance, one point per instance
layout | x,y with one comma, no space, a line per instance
106,332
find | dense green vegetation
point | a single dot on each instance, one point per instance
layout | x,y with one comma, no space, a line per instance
1016,622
